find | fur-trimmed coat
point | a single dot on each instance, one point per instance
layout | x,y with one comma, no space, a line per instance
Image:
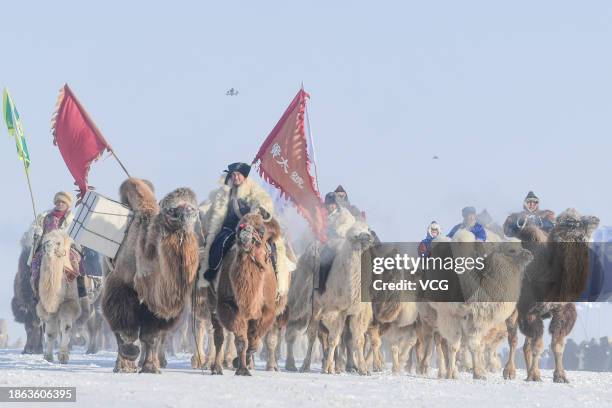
216,208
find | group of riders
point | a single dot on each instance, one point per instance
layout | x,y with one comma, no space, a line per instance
239,195
530,215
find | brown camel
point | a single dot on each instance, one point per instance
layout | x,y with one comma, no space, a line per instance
555,278
246,294
153,273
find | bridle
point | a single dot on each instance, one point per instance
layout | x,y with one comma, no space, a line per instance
247,232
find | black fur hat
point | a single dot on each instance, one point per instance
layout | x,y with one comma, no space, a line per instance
531,196
240,167
330,198
467,211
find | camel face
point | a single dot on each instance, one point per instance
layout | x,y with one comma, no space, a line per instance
251,232
180,210
573,227
360,237
53,245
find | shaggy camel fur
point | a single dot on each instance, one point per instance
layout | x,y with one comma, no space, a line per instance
490,342
341,303
87,330
153,272
556,277
246,293
58,306
23,303
501,278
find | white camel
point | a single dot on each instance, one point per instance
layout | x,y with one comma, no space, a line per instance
58,306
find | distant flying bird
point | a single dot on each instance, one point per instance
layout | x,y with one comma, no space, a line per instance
232,92
435,157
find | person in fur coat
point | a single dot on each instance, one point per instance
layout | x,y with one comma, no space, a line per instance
531,215
339,221
238,196
58,218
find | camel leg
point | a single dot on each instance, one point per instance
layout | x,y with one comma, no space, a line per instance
161,349
453,347
334,325
475,346
150,339
533,328
441,354
94,325
241,349
290,337
51,333
511,325
126,355
271,340
312,332
561,325
67,315
217,366
425,335
210,344
258,329
357,341
229,350
198,359
375,349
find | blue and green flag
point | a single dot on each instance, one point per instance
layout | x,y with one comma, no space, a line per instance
13,123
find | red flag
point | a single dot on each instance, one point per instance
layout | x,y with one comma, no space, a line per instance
283,161
77,137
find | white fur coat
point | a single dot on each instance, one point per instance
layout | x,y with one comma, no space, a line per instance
216,209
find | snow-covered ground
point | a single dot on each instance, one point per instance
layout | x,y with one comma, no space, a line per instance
180,386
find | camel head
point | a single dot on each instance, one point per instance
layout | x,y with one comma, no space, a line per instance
55,244
573,227
251,232
179,210
360,236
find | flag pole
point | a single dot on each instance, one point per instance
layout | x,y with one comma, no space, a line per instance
119,161
30,188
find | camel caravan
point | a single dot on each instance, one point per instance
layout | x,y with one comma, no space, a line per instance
224,273
222,277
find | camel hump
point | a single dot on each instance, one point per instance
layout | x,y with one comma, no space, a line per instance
139,196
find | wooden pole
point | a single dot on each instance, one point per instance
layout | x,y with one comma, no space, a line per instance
119,161
25,168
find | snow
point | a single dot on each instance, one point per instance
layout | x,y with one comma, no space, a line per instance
181,386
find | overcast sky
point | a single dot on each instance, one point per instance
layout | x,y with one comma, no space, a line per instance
511,97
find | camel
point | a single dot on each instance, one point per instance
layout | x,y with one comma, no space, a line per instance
482,309
152,274
246,292
556,278
341,303
58,306
23,302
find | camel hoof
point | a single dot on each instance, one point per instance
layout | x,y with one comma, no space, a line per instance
216,370
560,379
235,363
163,363
148,368
129,351
63,358
272,368
243,371
509,373
534,378
479,376
290,367
305,369
49,357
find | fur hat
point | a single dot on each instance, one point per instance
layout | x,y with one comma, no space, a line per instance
340,189
531,197
64,197
467,211
330,198
240,167
434,226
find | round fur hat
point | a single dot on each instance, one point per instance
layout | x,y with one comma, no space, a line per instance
64,197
